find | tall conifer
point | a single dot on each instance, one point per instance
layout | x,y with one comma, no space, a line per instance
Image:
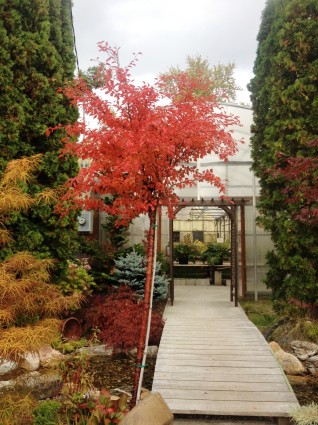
285,103
37,58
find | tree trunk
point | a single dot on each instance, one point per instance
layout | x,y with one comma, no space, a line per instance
146,310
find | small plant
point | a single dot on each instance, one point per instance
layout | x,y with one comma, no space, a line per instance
77,279
305,415
106,410
67,347
182,252
216,253
46,413
78,381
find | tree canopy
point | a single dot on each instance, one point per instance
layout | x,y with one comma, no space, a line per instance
144,145
284,98
221,79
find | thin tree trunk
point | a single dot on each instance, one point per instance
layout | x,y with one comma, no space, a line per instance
146,310
144,358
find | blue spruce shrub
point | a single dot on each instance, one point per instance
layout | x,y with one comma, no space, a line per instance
130,270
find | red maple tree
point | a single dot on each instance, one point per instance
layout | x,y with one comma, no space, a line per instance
142,144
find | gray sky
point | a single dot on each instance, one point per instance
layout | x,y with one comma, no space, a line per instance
166,31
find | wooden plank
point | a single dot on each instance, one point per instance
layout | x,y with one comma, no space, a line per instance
207,395
184,375
162,384
219,369
203,354
227,344
234,408
202,362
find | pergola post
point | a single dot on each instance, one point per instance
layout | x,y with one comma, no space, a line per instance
171,261
243,251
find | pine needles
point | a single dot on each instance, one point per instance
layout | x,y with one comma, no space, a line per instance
29,303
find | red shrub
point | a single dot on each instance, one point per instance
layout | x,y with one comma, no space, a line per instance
117,316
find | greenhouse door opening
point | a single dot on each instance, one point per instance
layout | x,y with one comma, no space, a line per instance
203,241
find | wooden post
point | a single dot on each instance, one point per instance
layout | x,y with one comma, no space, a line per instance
171,261
234,281
243,251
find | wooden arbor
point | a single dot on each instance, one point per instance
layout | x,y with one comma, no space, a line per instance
230,207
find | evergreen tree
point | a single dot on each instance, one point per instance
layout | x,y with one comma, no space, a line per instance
37,59
130,270
285,103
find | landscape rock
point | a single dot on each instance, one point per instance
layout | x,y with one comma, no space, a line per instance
6,385
30,362
7,366
152,351
41,386
48,356
304,349
312,365
289,363
97,350
152,410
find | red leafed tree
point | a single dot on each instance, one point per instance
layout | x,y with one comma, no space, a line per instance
300,175
140,142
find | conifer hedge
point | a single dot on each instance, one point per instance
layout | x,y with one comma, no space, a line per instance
37,59
284,94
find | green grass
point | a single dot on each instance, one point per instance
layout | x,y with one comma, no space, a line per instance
261,313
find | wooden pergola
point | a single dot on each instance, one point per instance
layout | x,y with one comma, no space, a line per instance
230,207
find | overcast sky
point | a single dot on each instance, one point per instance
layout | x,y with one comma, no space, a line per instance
166,31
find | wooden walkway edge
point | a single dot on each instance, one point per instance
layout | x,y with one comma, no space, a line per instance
213,361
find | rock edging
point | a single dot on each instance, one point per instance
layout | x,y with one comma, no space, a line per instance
303,361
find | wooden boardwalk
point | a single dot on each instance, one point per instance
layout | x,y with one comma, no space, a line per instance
213,361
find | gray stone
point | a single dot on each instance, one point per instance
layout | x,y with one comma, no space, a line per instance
7,366
152,410
312,365
152,351
97,350
304,349
30,362
6,385
41,386
48,356
289,363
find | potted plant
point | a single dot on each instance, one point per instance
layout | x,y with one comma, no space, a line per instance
216,253
182,252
